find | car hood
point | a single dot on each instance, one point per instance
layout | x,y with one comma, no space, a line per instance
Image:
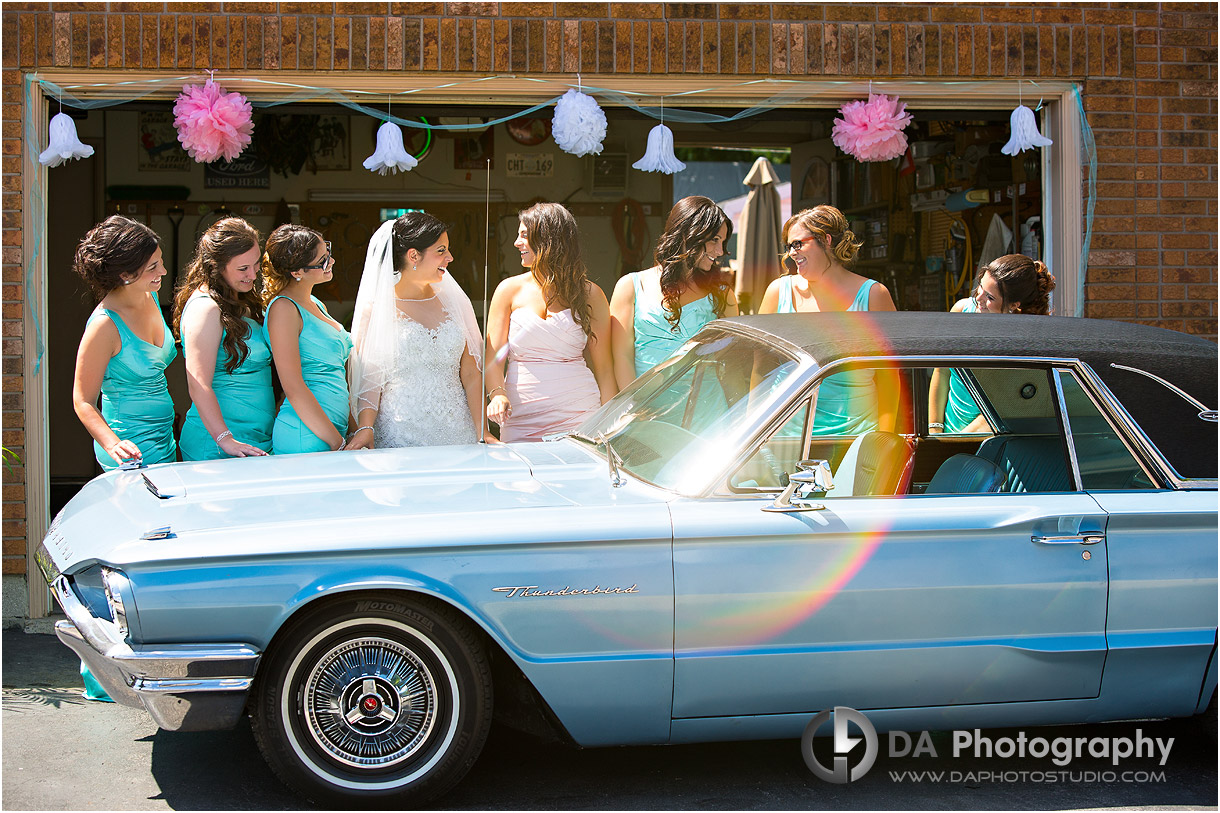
316,502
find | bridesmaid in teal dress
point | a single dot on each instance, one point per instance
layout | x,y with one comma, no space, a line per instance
820,249
654,312
310,349
219,314
1013,283
126,347
123,356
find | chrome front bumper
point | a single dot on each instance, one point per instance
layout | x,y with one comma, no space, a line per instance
185,687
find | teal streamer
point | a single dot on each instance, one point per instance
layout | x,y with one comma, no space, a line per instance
1090,155
37,203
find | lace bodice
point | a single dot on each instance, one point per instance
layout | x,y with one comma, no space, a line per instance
424,403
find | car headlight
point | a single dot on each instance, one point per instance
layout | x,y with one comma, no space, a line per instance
114,582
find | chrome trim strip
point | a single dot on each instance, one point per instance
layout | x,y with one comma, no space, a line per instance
1196,403
168,686
1066,423
166,661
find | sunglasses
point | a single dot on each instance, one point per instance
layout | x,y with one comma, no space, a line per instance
326,260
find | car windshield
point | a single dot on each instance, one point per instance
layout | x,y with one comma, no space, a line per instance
682,422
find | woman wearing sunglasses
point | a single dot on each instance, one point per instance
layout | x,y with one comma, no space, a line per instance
819,250
309,348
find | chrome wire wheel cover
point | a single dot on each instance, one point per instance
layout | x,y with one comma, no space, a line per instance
370,702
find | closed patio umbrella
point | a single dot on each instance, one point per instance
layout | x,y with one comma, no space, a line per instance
758,236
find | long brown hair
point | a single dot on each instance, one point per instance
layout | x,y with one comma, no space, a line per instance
113,248
691,224
1024,283
824,221
558,268
223,241
289,248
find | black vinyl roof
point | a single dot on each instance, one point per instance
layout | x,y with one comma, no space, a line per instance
1189,362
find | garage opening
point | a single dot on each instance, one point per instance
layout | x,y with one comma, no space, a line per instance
926,219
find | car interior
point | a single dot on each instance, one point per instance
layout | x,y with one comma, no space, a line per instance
1023,450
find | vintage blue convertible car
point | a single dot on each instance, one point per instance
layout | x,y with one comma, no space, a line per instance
696,563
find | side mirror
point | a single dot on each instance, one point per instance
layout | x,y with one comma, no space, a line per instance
811,477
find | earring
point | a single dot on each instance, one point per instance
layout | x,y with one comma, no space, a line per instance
296,277
415,268
128,281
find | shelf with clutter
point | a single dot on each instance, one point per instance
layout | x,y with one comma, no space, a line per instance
925,217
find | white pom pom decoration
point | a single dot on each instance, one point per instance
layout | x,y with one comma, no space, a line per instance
1025,135
390,155
659,157
64,144
579,125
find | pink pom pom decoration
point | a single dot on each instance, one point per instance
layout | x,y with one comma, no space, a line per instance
211,123
872,130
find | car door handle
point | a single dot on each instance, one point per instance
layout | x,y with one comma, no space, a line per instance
1070,539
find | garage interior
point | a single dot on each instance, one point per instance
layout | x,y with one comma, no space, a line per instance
924,221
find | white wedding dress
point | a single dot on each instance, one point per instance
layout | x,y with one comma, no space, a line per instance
423,403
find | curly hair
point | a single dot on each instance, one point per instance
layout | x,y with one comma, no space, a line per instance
115,248
692,222
1024,283
558,268
289,248
824,221
220,244
415,230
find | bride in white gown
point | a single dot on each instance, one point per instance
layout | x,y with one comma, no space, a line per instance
415,377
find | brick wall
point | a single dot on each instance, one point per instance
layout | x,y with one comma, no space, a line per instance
1148,72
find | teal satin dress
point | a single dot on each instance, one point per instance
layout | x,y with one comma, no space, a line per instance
246,399
324,352
655,340
960,409
135,397
847,402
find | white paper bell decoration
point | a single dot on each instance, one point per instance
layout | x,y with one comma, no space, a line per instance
579,125
390,155
1025,135
64,143
659,157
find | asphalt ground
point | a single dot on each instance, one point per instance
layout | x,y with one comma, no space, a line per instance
61,752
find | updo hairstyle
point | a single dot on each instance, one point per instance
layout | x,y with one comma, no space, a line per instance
289,248
824,221
415,230
1023,282
115,248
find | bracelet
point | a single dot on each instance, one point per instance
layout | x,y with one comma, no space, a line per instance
936,426
491,394
361,428
222,436
342,445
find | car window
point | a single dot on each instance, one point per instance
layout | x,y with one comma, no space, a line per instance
681,424
768,467
1104,461
1187,442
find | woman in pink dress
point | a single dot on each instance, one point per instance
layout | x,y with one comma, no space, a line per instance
552,326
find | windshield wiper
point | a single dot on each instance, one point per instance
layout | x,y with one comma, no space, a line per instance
616,477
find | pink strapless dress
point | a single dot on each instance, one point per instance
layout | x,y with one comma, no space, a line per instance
547,381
